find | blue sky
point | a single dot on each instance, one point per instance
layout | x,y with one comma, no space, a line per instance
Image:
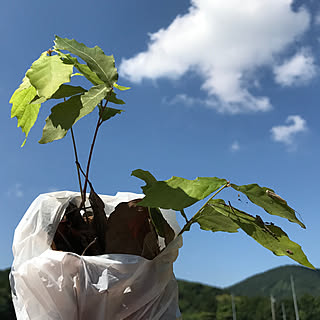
227,89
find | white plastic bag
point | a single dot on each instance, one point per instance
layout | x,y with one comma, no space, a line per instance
54,285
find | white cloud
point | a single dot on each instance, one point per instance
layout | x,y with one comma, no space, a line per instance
224,42
15,191
299,69
235,146
287,133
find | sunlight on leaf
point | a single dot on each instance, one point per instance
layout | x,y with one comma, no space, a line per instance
83,68
216,218
268,235
97,61
177,193
25,112
65,114
121,88
48,73
274,205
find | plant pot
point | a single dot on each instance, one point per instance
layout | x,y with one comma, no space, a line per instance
48,284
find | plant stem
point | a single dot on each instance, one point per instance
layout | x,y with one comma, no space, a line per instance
99,122
184,215
189,223
77,161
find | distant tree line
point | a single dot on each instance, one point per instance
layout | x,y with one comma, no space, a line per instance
200,302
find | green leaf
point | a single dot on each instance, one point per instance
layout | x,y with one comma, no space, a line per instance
66,91
144,175
178,193
93,97
113,98
64,115
97,61
25,112
48,73
83,68
121,88
108,113
268,235
216,218
269,201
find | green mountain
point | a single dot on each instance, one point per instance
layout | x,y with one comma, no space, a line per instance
277,282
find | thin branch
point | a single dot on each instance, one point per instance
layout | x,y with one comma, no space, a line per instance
189,223
89,245
77,162
99,122
184,215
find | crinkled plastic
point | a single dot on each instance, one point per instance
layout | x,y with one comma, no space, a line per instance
57,285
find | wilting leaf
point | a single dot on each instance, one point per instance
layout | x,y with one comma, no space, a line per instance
176,193
25,112
48,73
269,201
268,235
128,227
97,61
162,226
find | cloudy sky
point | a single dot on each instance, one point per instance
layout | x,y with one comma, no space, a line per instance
219,88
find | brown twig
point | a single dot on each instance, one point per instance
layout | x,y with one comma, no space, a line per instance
89,245
77,161
99,122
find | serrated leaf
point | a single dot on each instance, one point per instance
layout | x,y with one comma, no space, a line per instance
97,61
268,235
25,112
274,205
216,218
48,73
66,91
83,68
162,226
121,88
108,113
178,193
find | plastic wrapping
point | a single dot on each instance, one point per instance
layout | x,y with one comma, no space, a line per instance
54,285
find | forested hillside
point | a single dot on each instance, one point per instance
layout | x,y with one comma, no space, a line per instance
277,282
